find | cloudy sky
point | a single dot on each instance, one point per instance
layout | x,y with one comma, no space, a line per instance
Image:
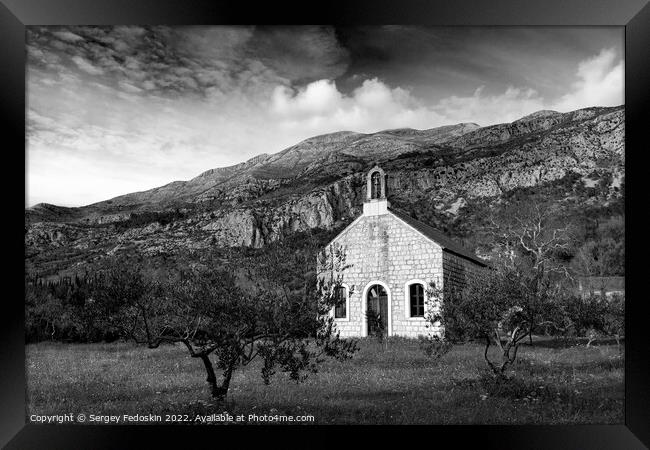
113,110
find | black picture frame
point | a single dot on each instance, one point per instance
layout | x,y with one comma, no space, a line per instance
634,15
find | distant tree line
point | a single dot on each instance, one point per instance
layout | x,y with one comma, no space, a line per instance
65,308
147,217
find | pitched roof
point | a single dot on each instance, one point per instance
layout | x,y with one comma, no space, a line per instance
444,241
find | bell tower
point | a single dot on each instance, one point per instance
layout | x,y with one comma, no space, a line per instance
376,203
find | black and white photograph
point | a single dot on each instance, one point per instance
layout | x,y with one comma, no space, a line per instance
315,225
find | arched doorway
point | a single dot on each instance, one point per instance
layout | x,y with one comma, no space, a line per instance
377,313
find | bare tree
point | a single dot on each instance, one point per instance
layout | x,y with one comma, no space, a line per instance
531,241
534,232
505,303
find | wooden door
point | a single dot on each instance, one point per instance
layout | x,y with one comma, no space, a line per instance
377,310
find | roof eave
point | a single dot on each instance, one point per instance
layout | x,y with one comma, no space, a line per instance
475,260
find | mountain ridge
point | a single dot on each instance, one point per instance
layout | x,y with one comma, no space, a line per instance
222,174
443,176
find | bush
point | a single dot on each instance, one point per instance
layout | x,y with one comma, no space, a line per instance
595,315
65,312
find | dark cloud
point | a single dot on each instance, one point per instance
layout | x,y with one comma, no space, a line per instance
436,62
301,54
190,60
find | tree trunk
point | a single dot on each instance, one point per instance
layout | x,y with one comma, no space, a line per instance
492,367
506,359
218,392
212,378
222,391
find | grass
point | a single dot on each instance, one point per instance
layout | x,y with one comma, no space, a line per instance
553,384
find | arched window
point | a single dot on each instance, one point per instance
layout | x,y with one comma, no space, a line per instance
375,185
341,307
416,299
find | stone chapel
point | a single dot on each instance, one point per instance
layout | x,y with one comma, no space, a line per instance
392,259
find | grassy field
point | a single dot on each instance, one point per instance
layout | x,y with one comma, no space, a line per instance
398,385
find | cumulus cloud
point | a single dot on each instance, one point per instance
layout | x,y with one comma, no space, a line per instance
600,82
320,107
317,98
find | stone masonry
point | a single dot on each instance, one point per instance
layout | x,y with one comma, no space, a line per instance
382,248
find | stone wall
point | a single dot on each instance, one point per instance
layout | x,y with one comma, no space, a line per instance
458,270
384,249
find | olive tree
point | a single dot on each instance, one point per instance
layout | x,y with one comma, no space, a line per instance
491,309
271,307
503,304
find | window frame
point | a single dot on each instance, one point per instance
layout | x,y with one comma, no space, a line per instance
407,299
374,174
347,305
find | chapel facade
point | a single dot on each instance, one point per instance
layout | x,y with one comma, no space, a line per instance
392,258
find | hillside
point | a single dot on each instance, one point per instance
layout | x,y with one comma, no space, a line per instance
448,176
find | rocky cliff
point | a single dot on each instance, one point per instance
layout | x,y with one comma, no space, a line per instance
439,173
